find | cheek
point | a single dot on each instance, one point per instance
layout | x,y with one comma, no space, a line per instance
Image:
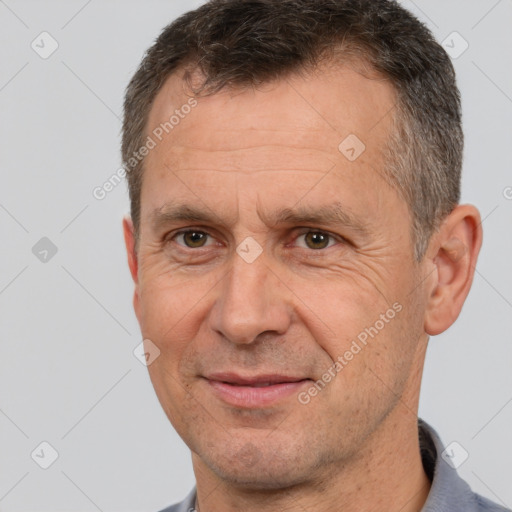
172,306
361,326
172,313
338,308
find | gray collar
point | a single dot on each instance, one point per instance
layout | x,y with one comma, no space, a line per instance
449,493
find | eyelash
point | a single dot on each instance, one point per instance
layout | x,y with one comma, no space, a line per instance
306,231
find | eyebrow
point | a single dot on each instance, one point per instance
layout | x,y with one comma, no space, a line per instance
331,214
334,214
169,214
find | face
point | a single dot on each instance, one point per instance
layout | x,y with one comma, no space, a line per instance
275,274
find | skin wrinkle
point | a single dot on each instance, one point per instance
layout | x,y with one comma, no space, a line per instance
363,273
278,158
292,310
329,215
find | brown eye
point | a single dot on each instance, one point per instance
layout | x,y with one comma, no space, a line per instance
316,240
193,239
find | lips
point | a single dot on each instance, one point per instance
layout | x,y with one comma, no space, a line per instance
254,391
255,381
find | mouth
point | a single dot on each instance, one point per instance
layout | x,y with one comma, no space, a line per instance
254,391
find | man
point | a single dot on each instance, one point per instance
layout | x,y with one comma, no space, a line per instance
295,238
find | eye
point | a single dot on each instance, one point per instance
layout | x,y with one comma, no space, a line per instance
192,238
316,240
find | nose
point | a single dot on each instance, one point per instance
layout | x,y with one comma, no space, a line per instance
252,300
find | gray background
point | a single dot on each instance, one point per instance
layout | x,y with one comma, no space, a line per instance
68,375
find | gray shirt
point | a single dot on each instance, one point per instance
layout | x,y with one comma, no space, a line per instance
448,493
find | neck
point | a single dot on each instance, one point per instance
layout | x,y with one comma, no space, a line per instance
387,475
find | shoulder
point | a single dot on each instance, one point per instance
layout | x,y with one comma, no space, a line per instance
178,507
485,505
187,505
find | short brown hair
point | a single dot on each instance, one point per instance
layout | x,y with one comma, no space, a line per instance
243,43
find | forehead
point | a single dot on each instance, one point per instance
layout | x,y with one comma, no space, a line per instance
331,100
310,124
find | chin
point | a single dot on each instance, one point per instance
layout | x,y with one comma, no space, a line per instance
259,478
250,467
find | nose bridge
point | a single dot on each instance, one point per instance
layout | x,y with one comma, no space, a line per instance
250,301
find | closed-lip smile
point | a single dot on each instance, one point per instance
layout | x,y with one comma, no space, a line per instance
254,391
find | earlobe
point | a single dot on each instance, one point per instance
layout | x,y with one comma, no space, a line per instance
455,252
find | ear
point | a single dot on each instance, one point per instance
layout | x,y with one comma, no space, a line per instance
452,253
133,263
